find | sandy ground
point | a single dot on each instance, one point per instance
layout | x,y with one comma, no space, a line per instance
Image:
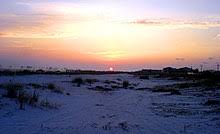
87,111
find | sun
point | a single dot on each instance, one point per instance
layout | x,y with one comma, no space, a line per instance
111,69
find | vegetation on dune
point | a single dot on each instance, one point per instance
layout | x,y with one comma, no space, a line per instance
125,84
91,81
34,98
196,81
17,92
68,94
35,86
12,89
205,83
51,86
212,102
144,77
46,104
79,81
166,89
111,82
101,88
55,88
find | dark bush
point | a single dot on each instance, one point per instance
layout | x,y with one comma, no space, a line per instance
118,79
101,88
110,82
91,81
212,102
55,88
125,84
115,86
12,89
46,104
145,77
68,94
11,93
185,85
34,98
78,81
163,89
51,86
58,90
21,99
107,82
35,86
123,125
175,92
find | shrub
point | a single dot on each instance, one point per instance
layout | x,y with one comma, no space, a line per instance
34,98
35,86
24,98
164,89
212,102
118,79
175,92
146,77
107,82
115,86
101,88
110,82
11,93
125,84
91,81
12,89
123,125
58,90
21,99
78,81
54,88
68,94
45,103
51,86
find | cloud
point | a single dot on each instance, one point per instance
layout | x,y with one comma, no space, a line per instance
180,59
55,19
2,34
217,36
34,25
172,23
211,58
48,20
108,55
68,9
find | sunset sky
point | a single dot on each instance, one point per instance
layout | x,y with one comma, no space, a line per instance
98,34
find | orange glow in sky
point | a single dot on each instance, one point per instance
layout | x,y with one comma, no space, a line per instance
93,35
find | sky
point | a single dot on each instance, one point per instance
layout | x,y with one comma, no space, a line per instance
99,34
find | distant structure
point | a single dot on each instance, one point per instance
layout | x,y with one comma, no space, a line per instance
72,71
184,70
40,71
148,72
218,67
201,67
